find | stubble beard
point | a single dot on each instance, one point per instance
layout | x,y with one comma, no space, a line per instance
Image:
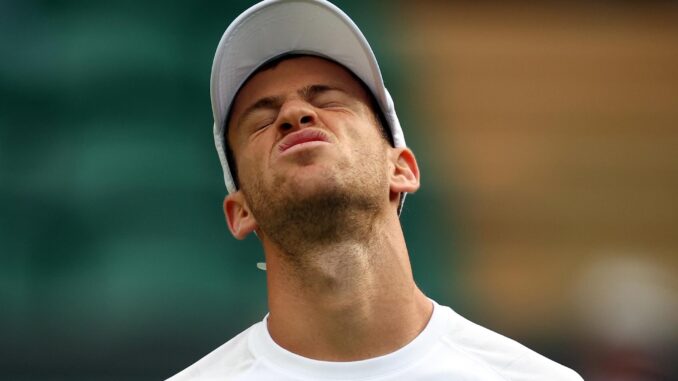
342,206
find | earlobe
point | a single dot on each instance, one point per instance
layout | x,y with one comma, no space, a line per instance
239,218
405,175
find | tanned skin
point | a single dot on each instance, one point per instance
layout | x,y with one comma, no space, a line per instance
320,186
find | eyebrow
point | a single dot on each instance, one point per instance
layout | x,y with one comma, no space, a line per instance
274,102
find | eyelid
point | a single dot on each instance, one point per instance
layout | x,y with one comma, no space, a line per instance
331,104
263,124
260,119
329,98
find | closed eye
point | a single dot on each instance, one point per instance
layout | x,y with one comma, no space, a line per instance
260,119
330,99
331,105
263,124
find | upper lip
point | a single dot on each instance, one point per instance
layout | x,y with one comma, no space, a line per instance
302,136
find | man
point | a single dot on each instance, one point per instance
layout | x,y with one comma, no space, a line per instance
316,165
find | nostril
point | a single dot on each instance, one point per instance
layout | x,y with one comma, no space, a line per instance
286,126
305,119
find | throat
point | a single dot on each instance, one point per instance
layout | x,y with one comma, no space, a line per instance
347,303
348,324
340,273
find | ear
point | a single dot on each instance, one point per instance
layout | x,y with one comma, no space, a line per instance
240,219
405,171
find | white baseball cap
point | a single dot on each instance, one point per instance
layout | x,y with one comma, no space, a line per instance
274,28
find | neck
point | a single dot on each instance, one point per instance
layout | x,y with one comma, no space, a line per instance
348,300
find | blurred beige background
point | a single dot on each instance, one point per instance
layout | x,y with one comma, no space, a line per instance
556,127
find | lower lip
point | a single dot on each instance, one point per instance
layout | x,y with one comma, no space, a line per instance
303,146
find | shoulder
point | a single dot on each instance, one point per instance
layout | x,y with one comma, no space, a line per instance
227,362
506,357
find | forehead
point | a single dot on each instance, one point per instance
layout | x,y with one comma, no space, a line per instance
289,75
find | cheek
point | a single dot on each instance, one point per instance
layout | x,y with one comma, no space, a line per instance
357,125
367,136
253,160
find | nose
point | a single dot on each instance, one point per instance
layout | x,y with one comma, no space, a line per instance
296,114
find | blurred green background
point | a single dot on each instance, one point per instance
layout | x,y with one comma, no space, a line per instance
546,134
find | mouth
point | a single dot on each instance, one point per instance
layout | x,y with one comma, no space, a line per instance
307,137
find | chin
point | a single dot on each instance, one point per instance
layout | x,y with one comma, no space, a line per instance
313,183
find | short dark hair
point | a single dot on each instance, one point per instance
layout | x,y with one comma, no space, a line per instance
272,63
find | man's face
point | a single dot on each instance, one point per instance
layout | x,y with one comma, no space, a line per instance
304,130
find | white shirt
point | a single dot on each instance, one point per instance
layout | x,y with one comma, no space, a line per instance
449,348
